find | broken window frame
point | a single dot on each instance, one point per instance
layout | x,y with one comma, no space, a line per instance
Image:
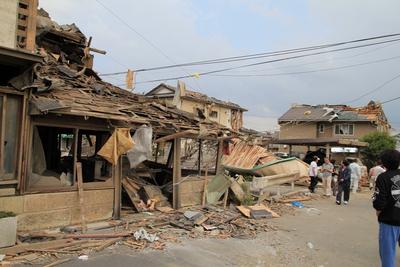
344,129
109,184
14,177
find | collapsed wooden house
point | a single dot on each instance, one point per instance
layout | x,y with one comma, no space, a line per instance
57,114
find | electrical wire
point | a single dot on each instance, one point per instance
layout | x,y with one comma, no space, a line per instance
309,71
266,62
257,56
375,89
139,34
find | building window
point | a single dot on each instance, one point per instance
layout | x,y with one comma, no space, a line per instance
321,128
55,152
344,129
214,114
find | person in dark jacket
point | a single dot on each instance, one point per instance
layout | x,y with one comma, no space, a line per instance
344,183
386,201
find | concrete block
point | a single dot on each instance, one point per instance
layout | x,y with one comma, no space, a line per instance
8,231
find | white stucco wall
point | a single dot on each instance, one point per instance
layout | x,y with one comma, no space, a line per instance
8,22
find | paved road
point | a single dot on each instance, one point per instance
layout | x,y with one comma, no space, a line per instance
340,236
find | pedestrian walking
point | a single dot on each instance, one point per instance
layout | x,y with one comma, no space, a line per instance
386,201
355,175
335,175
374,172
327,171
344,184
313,173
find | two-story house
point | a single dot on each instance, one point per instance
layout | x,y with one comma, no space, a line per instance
225,113
305,127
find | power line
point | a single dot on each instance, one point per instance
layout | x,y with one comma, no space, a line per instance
375,89
267,62
309,71
138,33
390,100
321,61
258,55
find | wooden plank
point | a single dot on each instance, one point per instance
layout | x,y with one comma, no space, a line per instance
8,182
117,190
132,193
176,136
7,192
176,174
40,245
244,210
81,197
203,198
2,131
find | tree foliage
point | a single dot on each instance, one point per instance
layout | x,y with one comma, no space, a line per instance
377,143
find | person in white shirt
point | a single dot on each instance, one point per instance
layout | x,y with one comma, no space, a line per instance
313,173
327,171
374,173
355,175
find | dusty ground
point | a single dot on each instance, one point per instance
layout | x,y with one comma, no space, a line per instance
339,236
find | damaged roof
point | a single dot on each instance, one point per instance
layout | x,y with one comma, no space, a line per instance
373,112
189,94
65,84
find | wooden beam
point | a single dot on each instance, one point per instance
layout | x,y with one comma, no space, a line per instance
2,132
177,135
117,190
219,157
199,157
31,28
176,174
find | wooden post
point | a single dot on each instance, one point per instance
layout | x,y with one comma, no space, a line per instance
176,174
290,150
203,200
76,132
199,157
117,188
328,151
157,151
31,25
218,168
80,194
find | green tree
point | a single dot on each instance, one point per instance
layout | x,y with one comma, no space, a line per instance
377,143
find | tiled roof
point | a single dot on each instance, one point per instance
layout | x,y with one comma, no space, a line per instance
321,113
199,96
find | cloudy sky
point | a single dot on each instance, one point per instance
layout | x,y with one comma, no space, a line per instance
163,32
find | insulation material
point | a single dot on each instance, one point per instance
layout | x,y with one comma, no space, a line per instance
143,146
119,143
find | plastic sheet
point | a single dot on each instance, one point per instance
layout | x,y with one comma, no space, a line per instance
143,146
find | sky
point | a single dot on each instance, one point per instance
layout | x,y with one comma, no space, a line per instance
162,32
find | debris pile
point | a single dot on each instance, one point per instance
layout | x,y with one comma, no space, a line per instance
145,230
